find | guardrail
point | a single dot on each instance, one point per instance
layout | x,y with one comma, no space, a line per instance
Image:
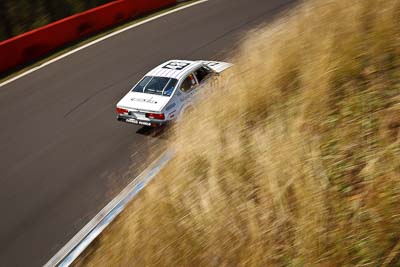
39,42
73,249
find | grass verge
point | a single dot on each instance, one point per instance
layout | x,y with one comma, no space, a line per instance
297,162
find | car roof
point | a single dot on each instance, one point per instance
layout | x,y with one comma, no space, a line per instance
176,69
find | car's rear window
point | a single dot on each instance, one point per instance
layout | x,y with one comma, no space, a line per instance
156,85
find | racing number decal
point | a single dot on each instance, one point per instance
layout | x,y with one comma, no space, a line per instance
176,65
212,63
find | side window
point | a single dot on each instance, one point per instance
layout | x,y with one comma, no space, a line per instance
189,83
202,74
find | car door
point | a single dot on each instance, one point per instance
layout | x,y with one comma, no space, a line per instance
186,91
203,74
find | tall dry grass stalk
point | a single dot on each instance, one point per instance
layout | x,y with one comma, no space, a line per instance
293,160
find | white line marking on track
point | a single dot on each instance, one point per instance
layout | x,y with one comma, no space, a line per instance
99,40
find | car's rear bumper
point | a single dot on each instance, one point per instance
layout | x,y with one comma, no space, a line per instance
129,119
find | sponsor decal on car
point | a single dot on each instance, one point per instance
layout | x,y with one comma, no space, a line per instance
145,123
151,101
169,107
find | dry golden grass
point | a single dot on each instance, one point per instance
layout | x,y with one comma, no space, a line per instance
293,161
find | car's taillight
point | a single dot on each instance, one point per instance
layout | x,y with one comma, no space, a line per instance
155,116
122,111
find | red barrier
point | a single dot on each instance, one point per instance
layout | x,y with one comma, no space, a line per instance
36,43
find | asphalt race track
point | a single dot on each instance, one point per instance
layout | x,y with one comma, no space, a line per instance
63,155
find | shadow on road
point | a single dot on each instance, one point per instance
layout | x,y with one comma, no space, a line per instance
161,132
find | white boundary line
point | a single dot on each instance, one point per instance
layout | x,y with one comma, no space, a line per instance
71,251
99,40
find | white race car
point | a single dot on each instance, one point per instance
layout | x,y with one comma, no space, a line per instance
166,92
